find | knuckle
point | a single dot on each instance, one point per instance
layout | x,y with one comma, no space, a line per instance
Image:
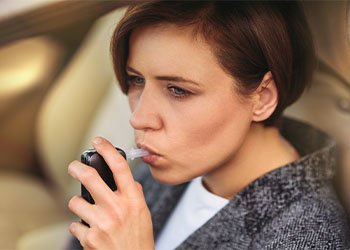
136,207
119,167
88,175
139,186
117,215
138,204
105,226
90,240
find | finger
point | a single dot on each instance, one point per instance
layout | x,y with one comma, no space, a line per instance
82,208
79,230
92,181
118,165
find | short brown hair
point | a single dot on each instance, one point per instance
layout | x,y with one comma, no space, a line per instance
248,38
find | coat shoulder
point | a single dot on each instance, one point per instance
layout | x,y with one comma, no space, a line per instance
309,223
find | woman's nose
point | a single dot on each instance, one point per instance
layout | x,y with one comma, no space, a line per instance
145,115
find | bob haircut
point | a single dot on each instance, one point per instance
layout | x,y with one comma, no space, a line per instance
248,39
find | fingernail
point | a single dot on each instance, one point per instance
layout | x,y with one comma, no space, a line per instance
97,140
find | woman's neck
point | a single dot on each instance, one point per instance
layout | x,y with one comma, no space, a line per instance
262,151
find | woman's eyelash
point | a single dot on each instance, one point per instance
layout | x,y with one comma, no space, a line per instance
134,80
178,92
174,91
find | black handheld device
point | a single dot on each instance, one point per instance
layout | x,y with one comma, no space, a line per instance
93,159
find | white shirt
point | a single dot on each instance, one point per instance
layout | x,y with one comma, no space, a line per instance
196,206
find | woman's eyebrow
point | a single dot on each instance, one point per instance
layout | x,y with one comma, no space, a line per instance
133,70
166,78
176,79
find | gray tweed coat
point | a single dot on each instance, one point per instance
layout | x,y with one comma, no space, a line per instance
292,207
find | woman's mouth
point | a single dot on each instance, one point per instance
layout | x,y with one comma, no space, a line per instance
152,157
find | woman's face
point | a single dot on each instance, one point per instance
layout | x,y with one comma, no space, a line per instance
184,106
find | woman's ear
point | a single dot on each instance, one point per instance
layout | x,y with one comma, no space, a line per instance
266,98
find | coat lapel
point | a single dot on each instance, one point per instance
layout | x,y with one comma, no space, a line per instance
217,232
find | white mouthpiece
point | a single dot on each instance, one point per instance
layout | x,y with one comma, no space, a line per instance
131,154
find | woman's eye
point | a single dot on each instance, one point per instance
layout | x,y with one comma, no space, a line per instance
135,80
178,92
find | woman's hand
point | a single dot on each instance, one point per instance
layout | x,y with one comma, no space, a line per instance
119,219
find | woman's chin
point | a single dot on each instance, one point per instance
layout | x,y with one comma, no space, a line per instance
165,177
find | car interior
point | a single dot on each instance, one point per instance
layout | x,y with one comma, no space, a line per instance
58,91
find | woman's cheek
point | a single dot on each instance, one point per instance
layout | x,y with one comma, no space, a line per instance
207,139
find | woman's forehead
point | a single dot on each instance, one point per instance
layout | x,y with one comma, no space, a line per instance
171,48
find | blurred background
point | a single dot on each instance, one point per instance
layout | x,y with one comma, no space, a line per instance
58,91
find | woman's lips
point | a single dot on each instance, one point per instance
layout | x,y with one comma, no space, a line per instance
152,157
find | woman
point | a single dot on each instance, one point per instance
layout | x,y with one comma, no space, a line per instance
207,83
